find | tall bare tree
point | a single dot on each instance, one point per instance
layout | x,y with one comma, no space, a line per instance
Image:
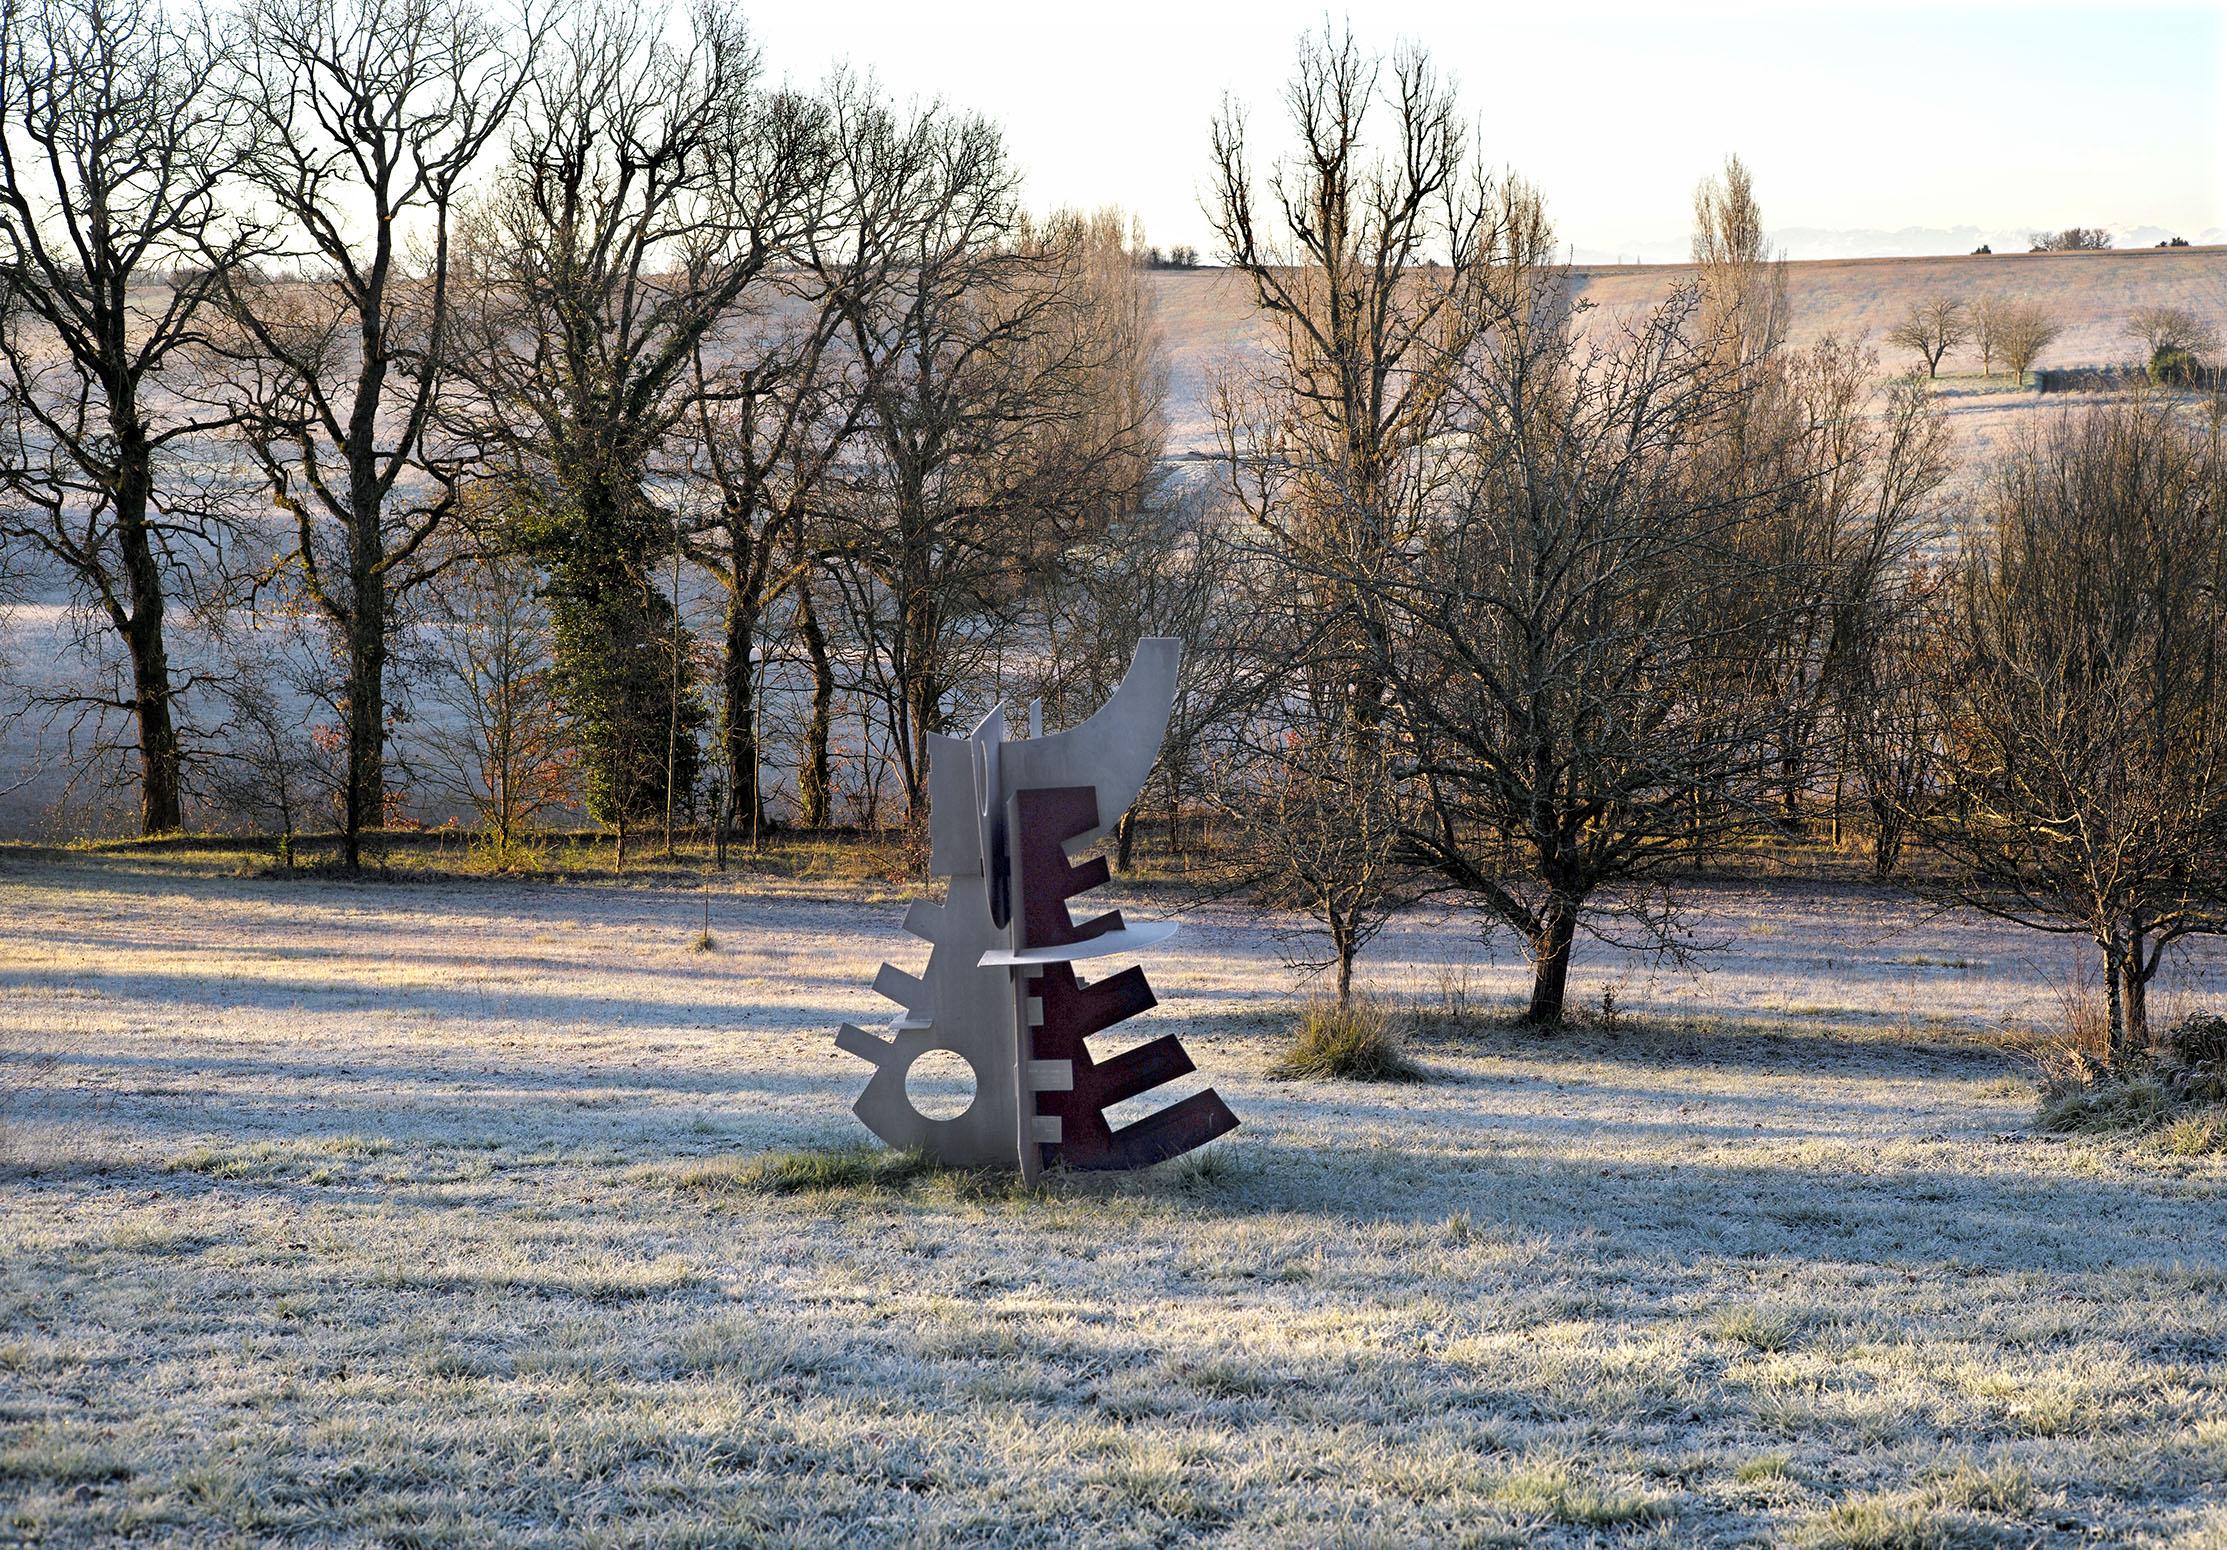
1366,257
773,424
657,200
1583,652
369,117
114,152
1013,408
2081,695
1369,250
1856,502
1742,279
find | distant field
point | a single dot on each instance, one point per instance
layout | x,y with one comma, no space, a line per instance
1206,314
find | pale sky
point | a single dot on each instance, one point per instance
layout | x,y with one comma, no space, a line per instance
2001,116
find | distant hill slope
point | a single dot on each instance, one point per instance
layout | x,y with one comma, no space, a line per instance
1207,317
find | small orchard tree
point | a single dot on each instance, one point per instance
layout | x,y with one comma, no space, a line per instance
1314,794
2160,328
500,747
1987,331
1931,329
2023,329
2081,697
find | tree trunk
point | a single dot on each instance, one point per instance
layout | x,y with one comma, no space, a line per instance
2114,992
2137,994
366,626
1345,969
1886,838
1125,839
367,667
740,733
1550,973
160,760
815,778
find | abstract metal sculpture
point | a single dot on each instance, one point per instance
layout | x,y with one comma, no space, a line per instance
1000,989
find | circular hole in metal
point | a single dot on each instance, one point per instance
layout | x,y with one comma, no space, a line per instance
940,1084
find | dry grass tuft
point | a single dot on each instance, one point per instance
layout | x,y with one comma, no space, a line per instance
1356,1041
2174,1099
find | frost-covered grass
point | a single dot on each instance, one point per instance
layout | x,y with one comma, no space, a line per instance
494,1213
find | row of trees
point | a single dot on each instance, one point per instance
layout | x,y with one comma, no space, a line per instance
444,374
334,320
1997,327
2175,342
1549,606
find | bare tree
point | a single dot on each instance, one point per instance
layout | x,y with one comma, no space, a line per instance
1578,640
774,422
1316,809
1328,455
369,116
2162,328
1931,329
114,149
1742,279
500,746
1987,331
656,196
1856,501
2081,696
1013,409
1166,568
2023,329
1894,748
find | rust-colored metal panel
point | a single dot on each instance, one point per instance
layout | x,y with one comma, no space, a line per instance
1073,1012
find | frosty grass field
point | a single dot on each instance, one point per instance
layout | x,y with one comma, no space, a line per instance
438,1213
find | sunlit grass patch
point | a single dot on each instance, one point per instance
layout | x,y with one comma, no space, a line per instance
1754,1328
50,1456
1764,1469
2203,1134
311,1159
1891,1521
1998,1488
156,1237
1554,1492
2112,1106
509,1267
860,1169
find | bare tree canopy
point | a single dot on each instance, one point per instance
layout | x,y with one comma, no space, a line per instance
2072,239
368,117
2163,328
115,152
2081,695
1931,329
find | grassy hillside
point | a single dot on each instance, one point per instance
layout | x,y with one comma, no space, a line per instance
1206,314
